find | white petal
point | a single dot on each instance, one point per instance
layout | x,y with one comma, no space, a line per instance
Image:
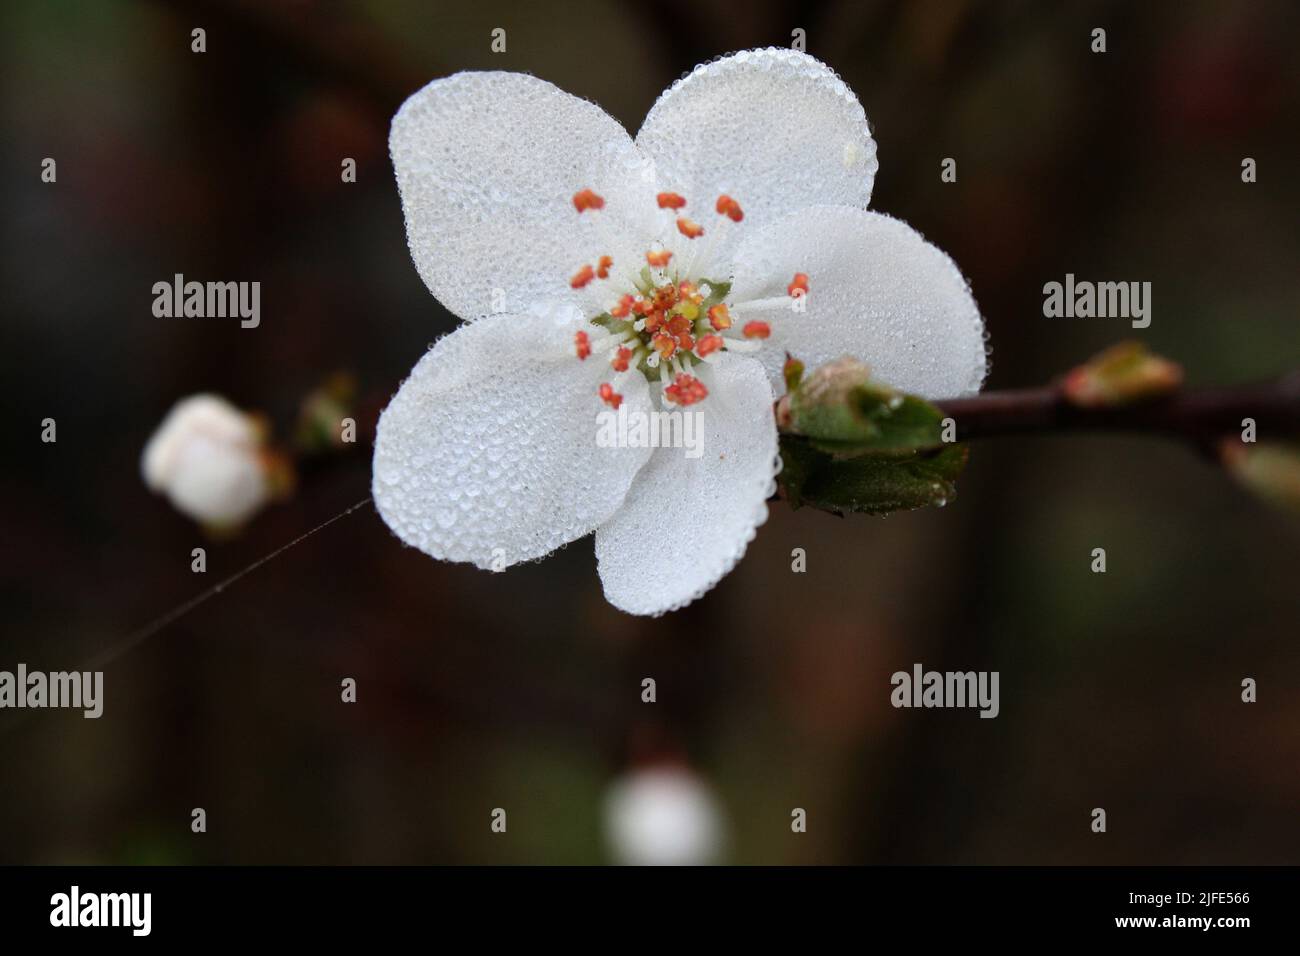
216,483
776,130
203,415
207,457
487,165
687,521
877,292
488,453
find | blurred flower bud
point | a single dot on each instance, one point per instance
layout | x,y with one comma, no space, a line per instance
322,413
663,816
792,371
1270,469
1123,373
213,462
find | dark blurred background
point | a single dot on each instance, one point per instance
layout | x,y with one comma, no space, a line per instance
522,690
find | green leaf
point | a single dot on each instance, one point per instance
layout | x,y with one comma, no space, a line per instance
718,291
868,484
844,413
608,322
799,462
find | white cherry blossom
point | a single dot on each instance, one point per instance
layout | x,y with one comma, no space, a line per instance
210,460
663,816
669,272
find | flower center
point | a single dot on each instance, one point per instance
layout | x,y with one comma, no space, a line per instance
666,318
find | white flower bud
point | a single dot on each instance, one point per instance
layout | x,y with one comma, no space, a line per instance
663,816
208,457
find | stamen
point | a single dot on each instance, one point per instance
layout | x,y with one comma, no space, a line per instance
702,257
728,207
585,199
741,345
686,390
798,286
609,341
759,305
659,330
689,229
582,277
610,397
624,306
708,344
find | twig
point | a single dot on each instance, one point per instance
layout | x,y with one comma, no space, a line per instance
1200,416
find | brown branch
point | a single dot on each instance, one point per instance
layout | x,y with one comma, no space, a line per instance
1200,416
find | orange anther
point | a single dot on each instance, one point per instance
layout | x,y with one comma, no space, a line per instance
670,201
602,267
719,317
620,359
708,344
582,344
689,229
623,308
582,277
585,199
756,330
665,345
658,258
610,397
686,390
728,207
679,325
798,285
